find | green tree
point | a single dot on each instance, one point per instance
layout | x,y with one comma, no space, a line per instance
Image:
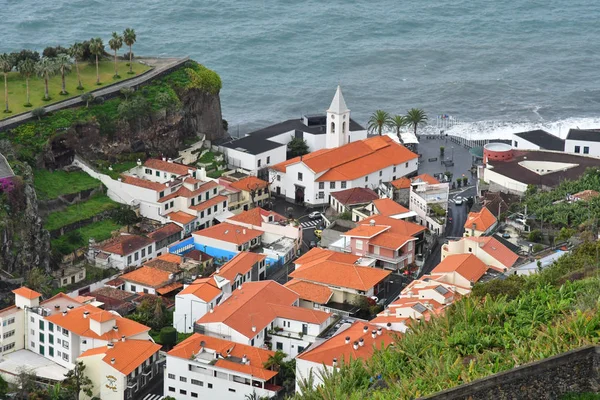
38,113
57,392
297,147
76,382
27,69
535,236
25,383
127,92
3,388
46,68
76,51
377,121
129,38
115,43
125,216
64,65
416,117
97,49
6,65
151,312
87,98
37,279
168,336
397,122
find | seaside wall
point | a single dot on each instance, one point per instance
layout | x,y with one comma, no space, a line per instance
576,371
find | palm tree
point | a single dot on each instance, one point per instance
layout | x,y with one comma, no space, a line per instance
398,122
115,44
76,51
416,117
378,120
6,65
97,48
129,38
45,68
63,63
275,361
27,69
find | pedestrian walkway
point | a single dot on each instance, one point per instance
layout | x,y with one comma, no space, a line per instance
310,224
151,396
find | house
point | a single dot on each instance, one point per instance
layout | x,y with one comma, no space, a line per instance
428,198
224,240
537,140
583,141
53,333
69,276
205,367
386,207
347,282
512,170
480,223
258,313
165,236
262,149
123,251
460,270
151,280
398,190
534,267
488,249
197,299
344,201
312,178
163,170
357,342
251,192
114,299
118,370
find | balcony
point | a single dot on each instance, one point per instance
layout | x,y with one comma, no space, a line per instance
147,370
273,388
132,383
393,260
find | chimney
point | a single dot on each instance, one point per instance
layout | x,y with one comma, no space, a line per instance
389,326
361,342
372,222
170,160
244,231
335,362
379,331
164,159
244,359
480,244
110,345
122,338
139,162
119,179
112,360
70,307
253,329
387,312
217,270
373,333
85,314
115,328
212,310
365,329
57,307
347,339
240,287
473,229
65,313
355,345
167,184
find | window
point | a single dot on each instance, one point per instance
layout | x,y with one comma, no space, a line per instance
197,382
8,334
32,332
201,214
380,173
32,320
268,159
161,194
394,169
171,389
32,344
586,150
145,290
331,185
143,253
300,176
406,165
208,211
258,164
182,379
128,259
279,345
133,288
8,347
321,185
278,178
194,394
359,245
65,344
194,201
577,149
321,195
148,171
209,385
42,339
51,339
149,249
252,342
470,250
41,325
215,208
232,390
51,351
65,332
343,183
42,350
157,173
225,204
367,178
181,391
136,256
65,357
57,341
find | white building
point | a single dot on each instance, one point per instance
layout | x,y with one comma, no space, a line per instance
537,140
204,367
268,146
428,195
580,141
125,250
310,179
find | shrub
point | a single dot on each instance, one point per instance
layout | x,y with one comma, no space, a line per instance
38,113
537,248
168,336
535,236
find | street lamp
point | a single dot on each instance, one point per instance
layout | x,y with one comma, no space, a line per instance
452,153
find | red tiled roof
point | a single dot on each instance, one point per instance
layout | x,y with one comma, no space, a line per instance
255,216
340,274
483,220
397,226
366,231
391,240
127,355
143,183
240,264
425,178
401,183
126,244
205,289
318,253
171,167
164,232
27,293
496,249
249,183
209,203
314,292
466,265
181,217
148,276
169,288
229,233
358,195
187,193
586,195
389,207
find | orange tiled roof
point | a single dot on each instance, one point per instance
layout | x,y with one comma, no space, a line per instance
397,226
164,232
310,291
336,347
169,288
466,265
389,207
128,355
209,203
281,167
148,276
391,240
75,322
181,217
401,183
126,244
229,233
300,314
366,231
256,357
249,183
248,306
205,289
143,183
255,216
425,178
240,264
318,253
340,274
171,167
164,265
483,220
357,195
27,293
494,248
172,258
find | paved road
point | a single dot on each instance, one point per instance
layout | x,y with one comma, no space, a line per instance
159,64
455,228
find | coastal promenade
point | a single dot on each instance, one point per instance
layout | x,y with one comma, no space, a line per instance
160,66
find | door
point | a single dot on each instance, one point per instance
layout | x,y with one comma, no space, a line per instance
278,191
304,329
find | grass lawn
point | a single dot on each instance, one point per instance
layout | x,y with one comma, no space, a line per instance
50,185
207,158
80,211
118,169
100,230
17,92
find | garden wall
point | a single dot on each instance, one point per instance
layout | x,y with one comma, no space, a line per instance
56,233
576,371
46,207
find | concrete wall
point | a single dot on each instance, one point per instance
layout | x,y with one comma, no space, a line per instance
593,147
574,371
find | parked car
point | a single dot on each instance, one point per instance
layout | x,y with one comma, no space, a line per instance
506,235
313,244
314,215
318,233
458,200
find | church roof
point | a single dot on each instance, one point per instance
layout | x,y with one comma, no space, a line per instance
338,104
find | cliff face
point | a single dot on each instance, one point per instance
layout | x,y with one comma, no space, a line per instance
24,243
202,114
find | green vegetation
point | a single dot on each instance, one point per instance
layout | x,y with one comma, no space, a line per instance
581,396
207,158
488,332
377,121
297,147
50,185
77,212
215,174
100,230
414,118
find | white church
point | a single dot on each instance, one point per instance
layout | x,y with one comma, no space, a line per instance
260,150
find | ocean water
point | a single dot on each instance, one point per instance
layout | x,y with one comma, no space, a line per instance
498,66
